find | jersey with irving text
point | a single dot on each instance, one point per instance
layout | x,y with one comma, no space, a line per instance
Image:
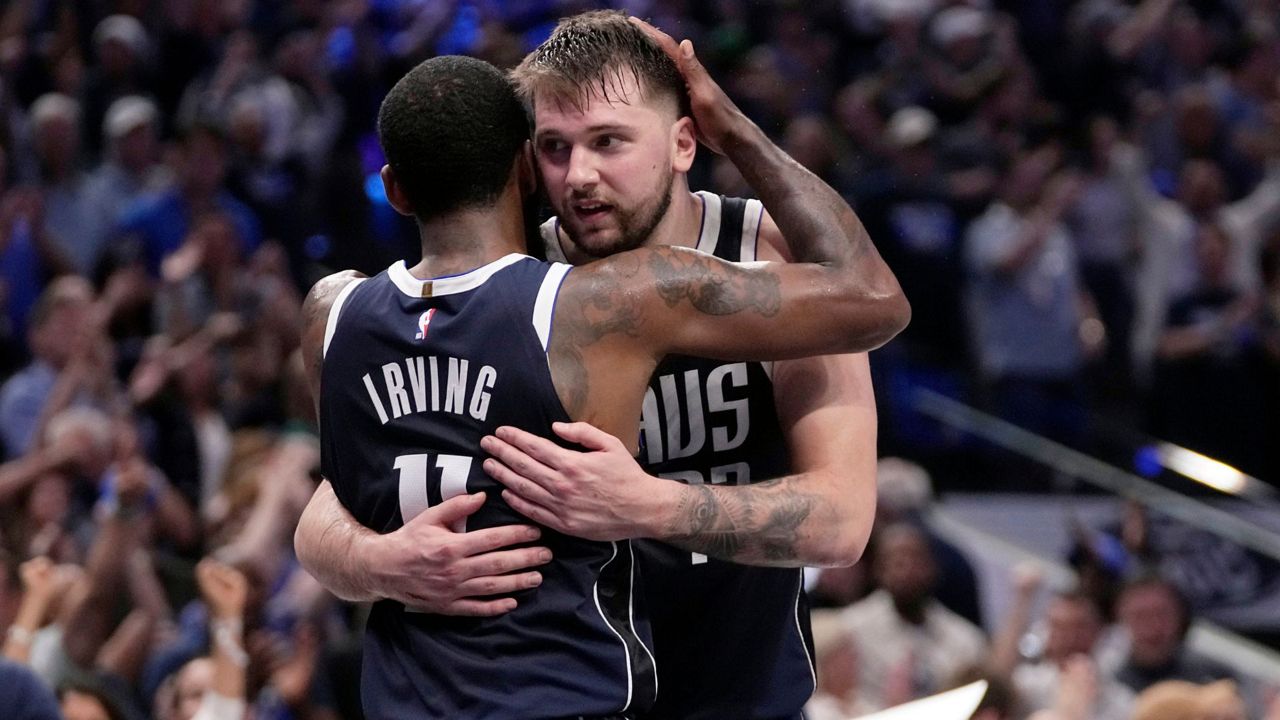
415,373
731,640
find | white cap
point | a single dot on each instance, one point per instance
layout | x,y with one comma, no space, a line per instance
910,126
893,10
125,29
903,486
959,23
127,113
52,106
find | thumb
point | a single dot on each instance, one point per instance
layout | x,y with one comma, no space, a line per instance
586,435
687,56
452,510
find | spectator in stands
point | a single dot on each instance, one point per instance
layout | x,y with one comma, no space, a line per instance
1157,619
907,644
68,214
836,662
56,339
163,222
122,50
1210,369
1103,223
131,168
1025,301
1073,624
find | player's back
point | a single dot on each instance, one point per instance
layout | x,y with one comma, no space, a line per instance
415,373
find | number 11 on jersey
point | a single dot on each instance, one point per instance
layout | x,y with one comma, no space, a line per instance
415,474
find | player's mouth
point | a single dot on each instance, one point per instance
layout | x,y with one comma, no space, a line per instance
589,211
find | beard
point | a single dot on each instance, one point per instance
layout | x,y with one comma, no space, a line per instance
634,225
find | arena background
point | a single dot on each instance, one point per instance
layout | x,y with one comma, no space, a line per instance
174,174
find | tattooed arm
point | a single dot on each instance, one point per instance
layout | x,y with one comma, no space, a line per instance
819,516
818,224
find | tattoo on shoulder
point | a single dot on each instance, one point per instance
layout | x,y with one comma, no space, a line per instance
714,288
600,309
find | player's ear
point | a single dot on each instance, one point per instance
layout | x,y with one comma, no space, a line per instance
527,167
395,193
684,139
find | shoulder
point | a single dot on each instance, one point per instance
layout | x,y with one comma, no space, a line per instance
871,610
315,308
954,627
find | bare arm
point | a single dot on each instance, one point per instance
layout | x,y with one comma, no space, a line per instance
1004,646
822,231
821,515
424,564
225,591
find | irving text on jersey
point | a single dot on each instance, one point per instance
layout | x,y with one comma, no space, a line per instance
431,384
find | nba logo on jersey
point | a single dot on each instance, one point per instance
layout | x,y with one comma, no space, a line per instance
423,321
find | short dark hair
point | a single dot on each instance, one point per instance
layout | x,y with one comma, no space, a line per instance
1153,579
451,130
595,51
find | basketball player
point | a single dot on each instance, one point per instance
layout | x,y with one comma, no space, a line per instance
730,640
412,367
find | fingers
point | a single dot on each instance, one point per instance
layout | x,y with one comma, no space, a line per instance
665,41
586,435
451,510
533,511
537,448
501,563
478,542
518,483
480,608
499,584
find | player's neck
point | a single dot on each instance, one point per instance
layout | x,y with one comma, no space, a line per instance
467,239
681,223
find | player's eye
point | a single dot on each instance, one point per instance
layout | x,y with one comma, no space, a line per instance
552,147
608,141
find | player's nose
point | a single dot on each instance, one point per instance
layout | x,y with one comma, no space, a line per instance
582,174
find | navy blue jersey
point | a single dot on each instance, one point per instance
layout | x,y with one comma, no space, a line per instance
415,373
732,641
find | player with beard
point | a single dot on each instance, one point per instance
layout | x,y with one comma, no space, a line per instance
610,107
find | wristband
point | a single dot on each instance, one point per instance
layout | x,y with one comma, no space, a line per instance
19,635
225,638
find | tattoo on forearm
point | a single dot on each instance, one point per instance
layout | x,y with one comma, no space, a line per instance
714,288
759,523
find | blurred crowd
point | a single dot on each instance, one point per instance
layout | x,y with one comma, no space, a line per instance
1081,199
1095,643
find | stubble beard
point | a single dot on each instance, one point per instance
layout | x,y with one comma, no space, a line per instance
634,226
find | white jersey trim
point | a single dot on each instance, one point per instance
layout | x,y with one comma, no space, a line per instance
813,673
631,608
626,652
448,284
752,214
709,236
550,231
544,308
331,323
